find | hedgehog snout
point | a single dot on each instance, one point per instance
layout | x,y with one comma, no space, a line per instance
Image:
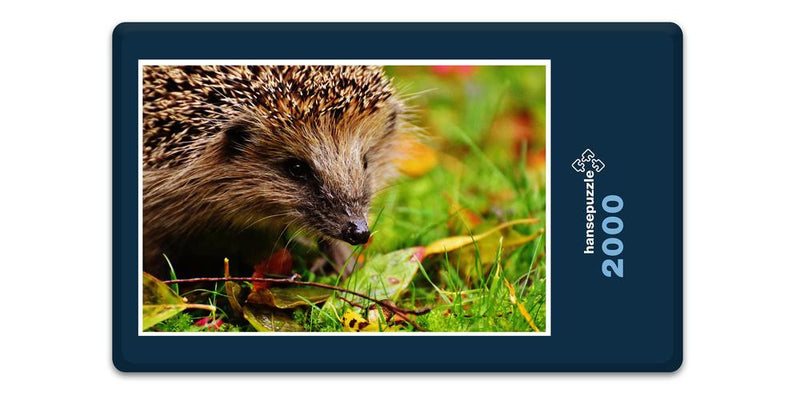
355,231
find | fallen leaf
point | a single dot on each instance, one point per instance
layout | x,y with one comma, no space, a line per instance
159,302
354,322
384,277
456,242
289,297
419,253
487,250
234,291
279,263
267,319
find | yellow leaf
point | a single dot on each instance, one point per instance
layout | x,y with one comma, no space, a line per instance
518,241
159,302
353,322
415,159
487,250
457,242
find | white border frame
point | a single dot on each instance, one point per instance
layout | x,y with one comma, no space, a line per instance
382,62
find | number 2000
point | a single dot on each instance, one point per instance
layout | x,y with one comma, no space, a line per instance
612,226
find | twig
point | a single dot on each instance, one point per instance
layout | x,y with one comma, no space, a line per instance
292,281
351,302
414,324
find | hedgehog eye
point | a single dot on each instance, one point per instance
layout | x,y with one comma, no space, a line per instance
298,169
365,161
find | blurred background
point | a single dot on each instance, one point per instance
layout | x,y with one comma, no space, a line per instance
481,150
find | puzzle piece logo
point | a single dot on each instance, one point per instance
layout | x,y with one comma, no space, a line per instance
588,157
579,166
598,164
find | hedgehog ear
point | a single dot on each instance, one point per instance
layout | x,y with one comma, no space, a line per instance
236,138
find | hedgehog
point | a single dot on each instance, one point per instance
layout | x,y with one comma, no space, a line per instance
234,157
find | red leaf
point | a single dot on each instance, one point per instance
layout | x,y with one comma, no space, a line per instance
279,263
419,253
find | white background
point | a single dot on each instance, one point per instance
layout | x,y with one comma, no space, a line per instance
741,214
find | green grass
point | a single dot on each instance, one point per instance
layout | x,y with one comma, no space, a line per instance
484,128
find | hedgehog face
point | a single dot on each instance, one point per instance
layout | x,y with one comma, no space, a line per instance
266,146
318,177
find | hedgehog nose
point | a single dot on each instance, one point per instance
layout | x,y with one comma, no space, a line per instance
356,231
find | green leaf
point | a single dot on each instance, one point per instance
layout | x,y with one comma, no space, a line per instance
234,292
159,302
268,319
384,277
289,297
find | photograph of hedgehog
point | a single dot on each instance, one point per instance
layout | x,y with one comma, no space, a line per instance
306,199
